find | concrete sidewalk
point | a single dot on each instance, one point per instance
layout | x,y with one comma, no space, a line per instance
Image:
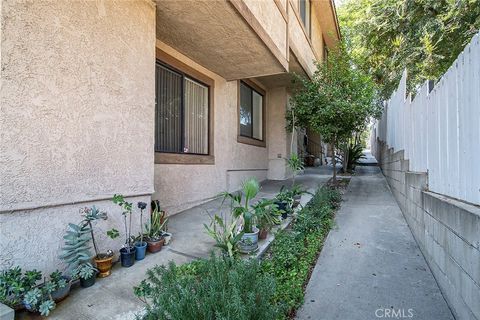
371,266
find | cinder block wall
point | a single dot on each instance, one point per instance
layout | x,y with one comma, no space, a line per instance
447,231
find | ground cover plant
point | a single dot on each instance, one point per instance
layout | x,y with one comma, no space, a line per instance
294,252
233,288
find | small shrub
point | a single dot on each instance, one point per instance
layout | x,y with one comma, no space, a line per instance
211,289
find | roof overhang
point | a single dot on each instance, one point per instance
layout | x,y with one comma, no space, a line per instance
223,36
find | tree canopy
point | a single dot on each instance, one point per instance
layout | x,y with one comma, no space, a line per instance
337,101
424,36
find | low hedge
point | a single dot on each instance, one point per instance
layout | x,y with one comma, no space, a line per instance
293,252
222,288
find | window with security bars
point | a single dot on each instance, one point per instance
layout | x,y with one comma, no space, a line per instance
181,112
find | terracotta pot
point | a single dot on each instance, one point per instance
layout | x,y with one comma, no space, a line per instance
263,234
155,246
104,265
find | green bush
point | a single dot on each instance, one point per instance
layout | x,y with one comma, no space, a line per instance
209,289
293,253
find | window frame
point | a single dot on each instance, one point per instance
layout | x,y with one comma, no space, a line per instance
306,29
246,139
325,51
186,71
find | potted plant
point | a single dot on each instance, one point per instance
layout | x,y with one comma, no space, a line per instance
296,193
103,261
141,246
225,235
296,165
154,231
39,299
87,273
61,285
127,252
284,202
241,208
14,284
266,214
42,298
77,255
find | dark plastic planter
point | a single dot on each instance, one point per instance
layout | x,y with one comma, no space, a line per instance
127,258
140,250
284,207
85,283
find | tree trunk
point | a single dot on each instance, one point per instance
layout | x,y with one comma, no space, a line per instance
334,162
346,155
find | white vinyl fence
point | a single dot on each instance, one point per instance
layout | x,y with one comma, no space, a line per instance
439,130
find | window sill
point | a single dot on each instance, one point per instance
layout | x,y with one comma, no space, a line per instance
179,158
250,141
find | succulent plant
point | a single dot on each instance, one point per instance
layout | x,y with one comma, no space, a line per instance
84,271
14,284
76,250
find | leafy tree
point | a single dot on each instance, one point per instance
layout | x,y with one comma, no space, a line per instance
424,36
336,102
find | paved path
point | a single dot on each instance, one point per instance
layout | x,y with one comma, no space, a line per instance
371,266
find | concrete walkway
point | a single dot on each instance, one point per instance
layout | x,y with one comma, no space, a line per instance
371,266
113,298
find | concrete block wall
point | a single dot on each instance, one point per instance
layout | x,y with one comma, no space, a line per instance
447,231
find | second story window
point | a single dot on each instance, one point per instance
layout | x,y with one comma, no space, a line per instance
181,113
251,112
325,51
304,6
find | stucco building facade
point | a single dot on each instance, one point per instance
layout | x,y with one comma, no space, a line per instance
170,100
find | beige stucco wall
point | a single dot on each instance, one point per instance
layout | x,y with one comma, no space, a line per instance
277,135
298,42
76,123
180,186
272,20
317,36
